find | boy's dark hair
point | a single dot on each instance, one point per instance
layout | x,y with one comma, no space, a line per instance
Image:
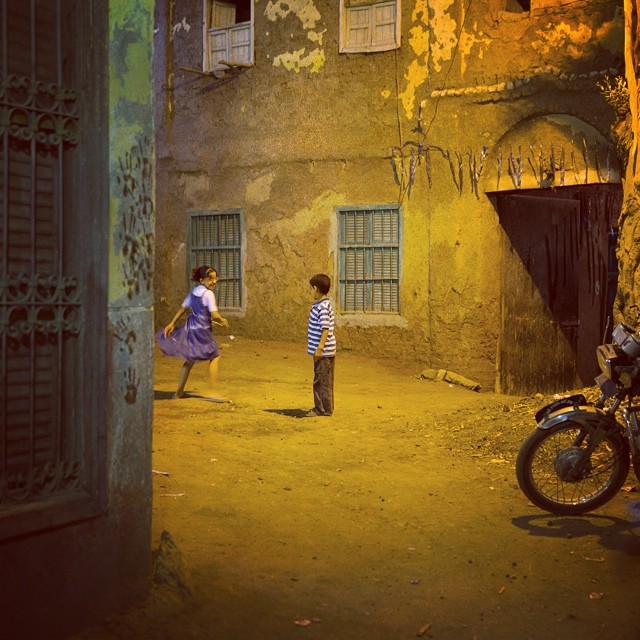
322,282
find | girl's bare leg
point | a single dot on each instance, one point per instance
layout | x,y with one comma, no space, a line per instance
182,380
213,376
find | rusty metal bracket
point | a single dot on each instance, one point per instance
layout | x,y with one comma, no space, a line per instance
233,69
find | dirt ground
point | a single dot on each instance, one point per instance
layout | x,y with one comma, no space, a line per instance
399,517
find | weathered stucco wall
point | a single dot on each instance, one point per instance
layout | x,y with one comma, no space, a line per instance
308,129
130,302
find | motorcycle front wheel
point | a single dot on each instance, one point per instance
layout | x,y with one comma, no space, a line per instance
549,473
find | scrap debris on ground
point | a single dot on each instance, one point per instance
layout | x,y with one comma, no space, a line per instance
509,425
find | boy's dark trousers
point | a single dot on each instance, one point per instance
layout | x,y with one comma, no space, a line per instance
323,385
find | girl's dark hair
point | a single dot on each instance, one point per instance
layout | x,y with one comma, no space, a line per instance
199,273
322,282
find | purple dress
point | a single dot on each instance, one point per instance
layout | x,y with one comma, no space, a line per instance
194,340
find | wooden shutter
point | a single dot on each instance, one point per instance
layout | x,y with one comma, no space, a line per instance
370,27
384,23
358,26
218,47
240,44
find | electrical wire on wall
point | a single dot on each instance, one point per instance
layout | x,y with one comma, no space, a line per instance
453,58
419,150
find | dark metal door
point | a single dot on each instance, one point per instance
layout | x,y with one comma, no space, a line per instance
540,298
556,285
50,298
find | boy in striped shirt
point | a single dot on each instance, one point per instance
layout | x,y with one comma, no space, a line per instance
321,344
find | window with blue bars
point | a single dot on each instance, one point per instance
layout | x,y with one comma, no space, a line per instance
215,239
369,259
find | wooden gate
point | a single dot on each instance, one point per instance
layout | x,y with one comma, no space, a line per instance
556,285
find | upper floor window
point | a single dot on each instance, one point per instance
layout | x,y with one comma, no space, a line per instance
369,259
215,239
228,33
369,26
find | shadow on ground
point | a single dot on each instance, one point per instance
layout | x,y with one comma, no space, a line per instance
611,532
289,413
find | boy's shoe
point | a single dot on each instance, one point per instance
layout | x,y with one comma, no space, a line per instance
314,414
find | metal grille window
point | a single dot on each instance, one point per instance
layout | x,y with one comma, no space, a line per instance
215,239
369,254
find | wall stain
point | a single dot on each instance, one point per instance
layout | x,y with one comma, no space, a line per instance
309,16
134,232
305,10
126,338
297,60
125,335
443,29
131,385
467,41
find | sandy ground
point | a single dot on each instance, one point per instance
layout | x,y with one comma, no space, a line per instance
398,517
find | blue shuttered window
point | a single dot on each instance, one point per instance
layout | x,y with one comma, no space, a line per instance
369,268
215,239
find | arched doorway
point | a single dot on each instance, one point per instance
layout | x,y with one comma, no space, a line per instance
559,272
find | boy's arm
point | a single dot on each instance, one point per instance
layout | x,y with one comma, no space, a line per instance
323,338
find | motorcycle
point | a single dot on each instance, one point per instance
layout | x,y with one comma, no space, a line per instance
579,456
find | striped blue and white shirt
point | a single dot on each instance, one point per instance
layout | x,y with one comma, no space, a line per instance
321,317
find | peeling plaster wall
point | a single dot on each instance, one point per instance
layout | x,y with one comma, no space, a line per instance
308,129
130,295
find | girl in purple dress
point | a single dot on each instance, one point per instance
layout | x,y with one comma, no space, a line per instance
194,342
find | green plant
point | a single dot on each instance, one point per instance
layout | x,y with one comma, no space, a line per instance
616,93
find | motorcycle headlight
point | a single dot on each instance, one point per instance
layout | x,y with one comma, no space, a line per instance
627,339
